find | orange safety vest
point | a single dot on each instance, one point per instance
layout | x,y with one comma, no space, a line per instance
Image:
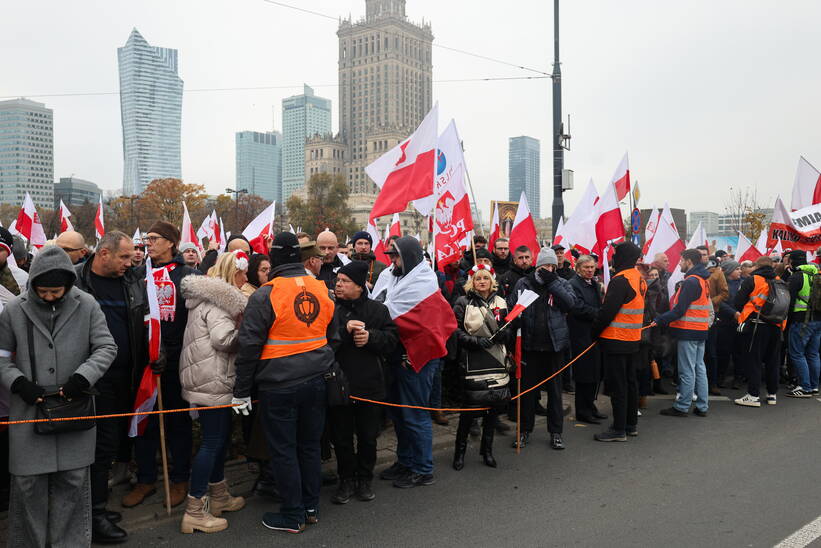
626,326
758,297
697,315
303,311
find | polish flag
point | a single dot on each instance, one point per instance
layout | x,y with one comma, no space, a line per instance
559,236
650,229
667,216
378,246
806,190
761,243
65,223
698,238
187,234
205,230
147,391
28,224
137,238
609,224
580,228
406,172
746,251
260,228
387,237
524,229
395,226
99,221
667,241
423,316
525,299
223,239
494,227
621,179
676,276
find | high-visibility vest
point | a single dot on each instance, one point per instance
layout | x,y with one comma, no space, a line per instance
803,298
303,311
626,326
758,297
697,315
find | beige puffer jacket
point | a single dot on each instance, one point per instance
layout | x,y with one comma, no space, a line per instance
209,345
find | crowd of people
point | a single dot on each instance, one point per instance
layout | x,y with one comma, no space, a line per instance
269,337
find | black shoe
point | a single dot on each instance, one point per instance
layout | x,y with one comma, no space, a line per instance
278,522
364,491
487,458
698,413
459,455
610,435
412,479
329,477
344,492
556,442
540,410
672,412
631,431
395,472
600,416
105,532
311,516
588,420
522,441
113,517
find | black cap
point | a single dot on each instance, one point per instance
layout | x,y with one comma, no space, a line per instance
557,247
285,249
362,235
798,257
357,271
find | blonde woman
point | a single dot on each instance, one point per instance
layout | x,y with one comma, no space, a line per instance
482,360
215,305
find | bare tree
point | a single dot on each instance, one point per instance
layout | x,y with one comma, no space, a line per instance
745,211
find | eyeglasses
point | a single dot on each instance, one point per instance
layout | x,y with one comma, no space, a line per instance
72,249
153,239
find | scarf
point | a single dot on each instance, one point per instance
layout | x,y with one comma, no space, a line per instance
166,292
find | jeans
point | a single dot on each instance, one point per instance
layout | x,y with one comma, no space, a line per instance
293,419
364,421
805,339
414,431
761,346
692,374
536,367
620,379
114,397
209,462
177,435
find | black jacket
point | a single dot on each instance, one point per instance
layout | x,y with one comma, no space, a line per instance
363,366
327,273
579,321
209,260
543,323
253,334
566,271
502,265
509,279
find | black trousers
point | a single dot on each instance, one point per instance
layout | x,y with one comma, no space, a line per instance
586,393
761,343
466,418
536,367
363,420
620,375
727,350
711,355
114,397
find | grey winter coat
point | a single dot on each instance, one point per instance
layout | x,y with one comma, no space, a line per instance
70,337
209,346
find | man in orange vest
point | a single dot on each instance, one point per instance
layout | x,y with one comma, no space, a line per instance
689,320
286,346
618,329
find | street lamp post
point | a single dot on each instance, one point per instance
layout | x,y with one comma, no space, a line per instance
236,193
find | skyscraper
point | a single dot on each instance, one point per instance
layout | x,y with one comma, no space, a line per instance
151,112
26,152
302,117
259,163
523,172
385,84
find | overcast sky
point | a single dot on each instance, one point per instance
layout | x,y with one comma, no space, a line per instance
705,95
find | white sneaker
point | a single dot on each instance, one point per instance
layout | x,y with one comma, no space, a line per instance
748,401
770,399
695,398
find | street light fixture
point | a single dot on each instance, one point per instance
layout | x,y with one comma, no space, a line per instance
236,193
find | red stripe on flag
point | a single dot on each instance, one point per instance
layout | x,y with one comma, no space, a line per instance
405,184
425,329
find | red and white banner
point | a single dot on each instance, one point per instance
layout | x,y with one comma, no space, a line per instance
558,237
580,228
650,230
621,179
187,234
495,228
99,221
761,243
147,391
799,229
260,229
698,238
28,224
406,172
453,223
65,223
524,229
746,251
609,224
666,240
806,190
524,299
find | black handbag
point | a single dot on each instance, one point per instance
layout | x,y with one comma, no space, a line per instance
55,406
338,391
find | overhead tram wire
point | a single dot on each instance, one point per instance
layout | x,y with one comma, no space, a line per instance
435,45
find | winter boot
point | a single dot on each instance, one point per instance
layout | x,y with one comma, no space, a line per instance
486,448
221,500
198,518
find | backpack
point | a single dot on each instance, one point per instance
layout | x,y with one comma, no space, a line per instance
814,301
777,305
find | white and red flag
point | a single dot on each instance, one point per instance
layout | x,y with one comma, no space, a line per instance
650,229
28,224
395,228
206,229
260,229
188,235
609,224
524,299
761,243
698,238
423,316
524,229
621,179
806,190
746,251
406,172
580,228
667,241
65,223
99,220
147,391
495,228
558,238
453,224
377,245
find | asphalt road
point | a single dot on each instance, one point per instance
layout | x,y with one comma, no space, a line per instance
740,477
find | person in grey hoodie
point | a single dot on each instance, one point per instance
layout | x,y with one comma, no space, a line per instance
60,342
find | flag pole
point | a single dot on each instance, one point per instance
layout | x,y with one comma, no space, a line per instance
519,408
162,446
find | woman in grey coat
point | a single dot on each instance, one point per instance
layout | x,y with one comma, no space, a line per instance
50,488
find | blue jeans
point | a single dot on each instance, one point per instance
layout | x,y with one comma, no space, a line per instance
293,419
691,374
209,462
414,431
805,339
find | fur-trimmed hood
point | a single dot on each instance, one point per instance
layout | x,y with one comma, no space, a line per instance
198,289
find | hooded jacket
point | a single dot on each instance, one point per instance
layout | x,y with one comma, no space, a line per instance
690,291
619,292
543,323
70,336
411,254
210,340
375,267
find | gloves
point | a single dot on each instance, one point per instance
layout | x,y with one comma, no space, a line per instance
159,366
29,391
546,276
485,342
242,406
75,386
